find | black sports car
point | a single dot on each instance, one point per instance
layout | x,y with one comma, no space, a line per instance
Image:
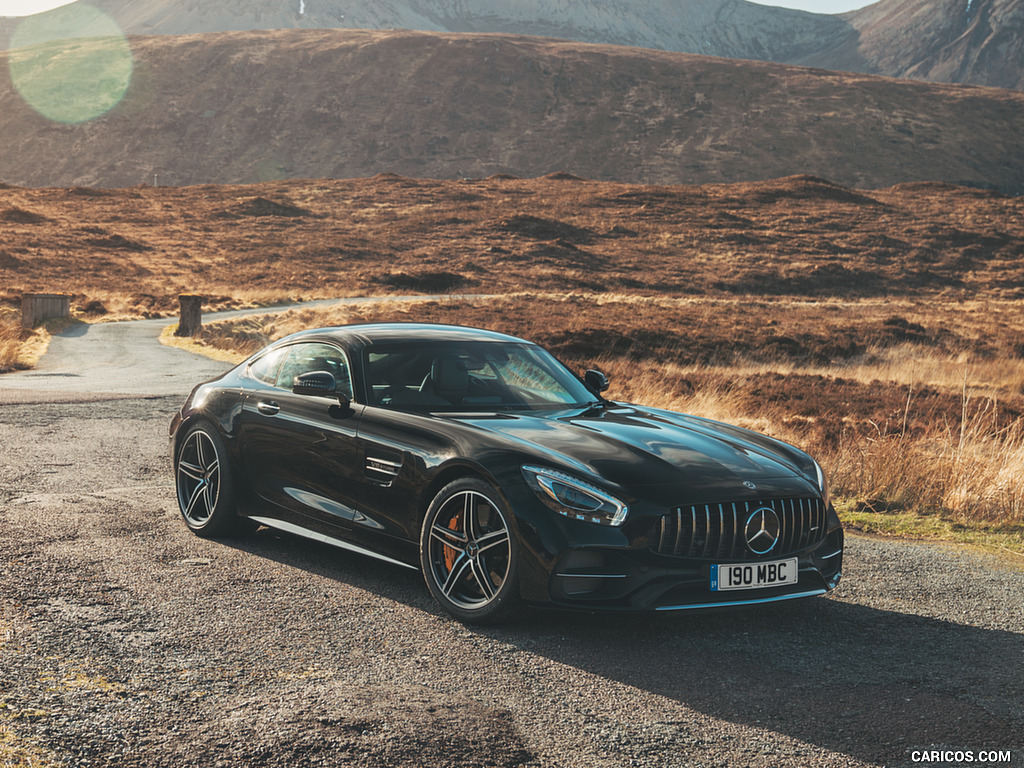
483,461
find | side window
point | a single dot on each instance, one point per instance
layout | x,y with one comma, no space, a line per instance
265,368
395,377
305,358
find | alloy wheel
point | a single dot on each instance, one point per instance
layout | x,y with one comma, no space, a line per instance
470,552
198,478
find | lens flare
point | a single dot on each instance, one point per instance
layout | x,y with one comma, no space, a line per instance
71,64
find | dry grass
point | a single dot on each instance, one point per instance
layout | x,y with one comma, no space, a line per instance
129,252
929,423
16,754
972,472
10,342
19,348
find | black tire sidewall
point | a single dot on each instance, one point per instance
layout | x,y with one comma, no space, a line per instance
507,601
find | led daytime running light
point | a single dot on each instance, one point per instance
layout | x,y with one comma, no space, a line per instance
575,498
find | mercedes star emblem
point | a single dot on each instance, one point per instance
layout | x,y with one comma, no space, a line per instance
762,531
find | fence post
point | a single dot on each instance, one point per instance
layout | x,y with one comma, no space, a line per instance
36,307
190,320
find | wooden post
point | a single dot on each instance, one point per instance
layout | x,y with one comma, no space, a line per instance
190,320
36,307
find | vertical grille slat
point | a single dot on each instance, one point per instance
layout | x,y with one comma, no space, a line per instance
699,535
722,533
789,531
706,531
692,549
679,530
736,531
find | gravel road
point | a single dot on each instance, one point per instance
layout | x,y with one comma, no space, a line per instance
126,641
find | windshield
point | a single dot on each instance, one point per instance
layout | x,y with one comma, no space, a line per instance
476,375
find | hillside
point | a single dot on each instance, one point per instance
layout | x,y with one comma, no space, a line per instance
245,107
961,41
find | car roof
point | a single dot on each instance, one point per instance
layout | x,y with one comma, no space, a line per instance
367,334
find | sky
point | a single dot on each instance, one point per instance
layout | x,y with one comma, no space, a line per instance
26,7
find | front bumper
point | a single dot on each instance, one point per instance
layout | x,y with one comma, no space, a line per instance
602,579
582,566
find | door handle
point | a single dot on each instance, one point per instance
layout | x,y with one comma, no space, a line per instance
267,407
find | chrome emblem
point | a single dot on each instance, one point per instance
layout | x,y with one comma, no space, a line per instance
750,485
762,531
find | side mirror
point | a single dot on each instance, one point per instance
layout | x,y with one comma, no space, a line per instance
596,381
320,383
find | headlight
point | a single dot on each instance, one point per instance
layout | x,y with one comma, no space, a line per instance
822,484
575,498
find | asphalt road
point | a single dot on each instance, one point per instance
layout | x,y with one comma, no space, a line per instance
126,641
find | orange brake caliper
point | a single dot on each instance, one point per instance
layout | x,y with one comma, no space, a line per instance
449,552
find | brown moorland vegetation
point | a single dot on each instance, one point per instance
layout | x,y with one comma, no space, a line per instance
129,252
880,329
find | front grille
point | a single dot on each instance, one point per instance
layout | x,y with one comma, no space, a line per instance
716,531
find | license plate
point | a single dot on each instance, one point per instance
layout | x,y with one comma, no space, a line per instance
754,575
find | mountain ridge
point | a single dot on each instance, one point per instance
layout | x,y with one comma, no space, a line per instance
963,41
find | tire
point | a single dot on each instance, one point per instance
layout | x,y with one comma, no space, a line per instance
469,553
204,484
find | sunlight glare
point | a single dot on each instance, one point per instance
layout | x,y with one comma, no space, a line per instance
71,64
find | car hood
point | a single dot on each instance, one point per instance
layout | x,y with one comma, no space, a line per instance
644,449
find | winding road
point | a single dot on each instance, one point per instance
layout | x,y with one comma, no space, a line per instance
127,641
126,358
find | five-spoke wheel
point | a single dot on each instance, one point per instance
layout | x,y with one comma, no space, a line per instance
203,482
468,552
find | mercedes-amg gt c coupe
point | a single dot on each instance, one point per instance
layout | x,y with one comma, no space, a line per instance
504,477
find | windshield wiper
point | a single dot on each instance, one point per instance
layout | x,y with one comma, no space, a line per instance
596,406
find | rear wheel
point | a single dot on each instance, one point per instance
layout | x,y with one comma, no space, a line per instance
468,552
202,475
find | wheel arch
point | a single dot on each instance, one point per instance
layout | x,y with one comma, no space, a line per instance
197,417
190,420
449,473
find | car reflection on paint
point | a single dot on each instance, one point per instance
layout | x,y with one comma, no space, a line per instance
507,480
